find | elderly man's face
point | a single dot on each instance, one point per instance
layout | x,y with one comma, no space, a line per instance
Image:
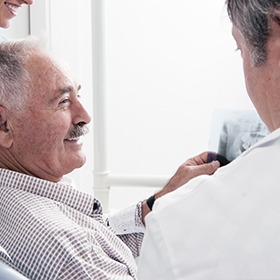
43,144
8,10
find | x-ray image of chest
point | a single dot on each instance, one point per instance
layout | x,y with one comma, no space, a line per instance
239,130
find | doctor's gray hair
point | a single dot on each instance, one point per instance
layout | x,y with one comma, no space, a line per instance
252,18
15,83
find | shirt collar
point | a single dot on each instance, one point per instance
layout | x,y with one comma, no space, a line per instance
59,192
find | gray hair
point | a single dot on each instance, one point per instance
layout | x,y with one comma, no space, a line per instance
252,18
15,83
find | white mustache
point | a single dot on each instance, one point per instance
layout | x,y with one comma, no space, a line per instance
78,130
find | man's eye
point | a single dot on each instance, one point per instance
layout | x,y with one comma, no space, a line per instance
64,101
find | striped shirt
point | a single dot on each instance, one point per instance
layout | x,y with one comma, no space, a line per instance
52,231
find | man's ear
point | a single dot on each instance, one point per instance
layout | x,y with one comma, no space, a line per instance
274,39
6,135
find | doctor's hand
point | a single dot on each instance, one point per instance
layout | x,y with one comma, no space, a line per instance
191,168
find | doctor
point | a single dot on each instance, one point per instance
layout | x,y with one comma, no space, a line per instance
227,226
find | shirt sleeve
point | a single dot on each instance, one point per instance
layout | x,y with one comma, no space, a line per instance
127,220
127,224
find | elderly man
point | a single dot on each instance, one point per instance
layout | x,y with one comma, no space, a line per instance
227,226
48,229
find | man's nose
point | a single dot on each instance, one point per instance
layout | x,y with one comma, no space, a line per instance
80,114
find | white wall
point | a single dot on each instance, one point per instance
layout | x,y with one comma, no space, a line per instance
170,64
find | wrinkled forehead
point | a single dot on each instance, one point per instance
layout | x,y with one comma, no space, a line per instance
48,71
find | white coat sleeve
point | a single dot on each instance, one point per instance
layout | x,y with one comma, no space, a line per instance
154,263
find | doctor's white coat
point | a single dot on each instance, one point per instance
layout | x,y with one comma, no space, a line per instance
224,226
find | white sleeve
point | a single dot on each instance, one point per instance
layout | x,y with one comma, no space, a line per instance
154,263
127,220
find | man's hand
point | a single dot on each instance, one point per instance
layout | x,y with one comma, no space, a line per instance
190,169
